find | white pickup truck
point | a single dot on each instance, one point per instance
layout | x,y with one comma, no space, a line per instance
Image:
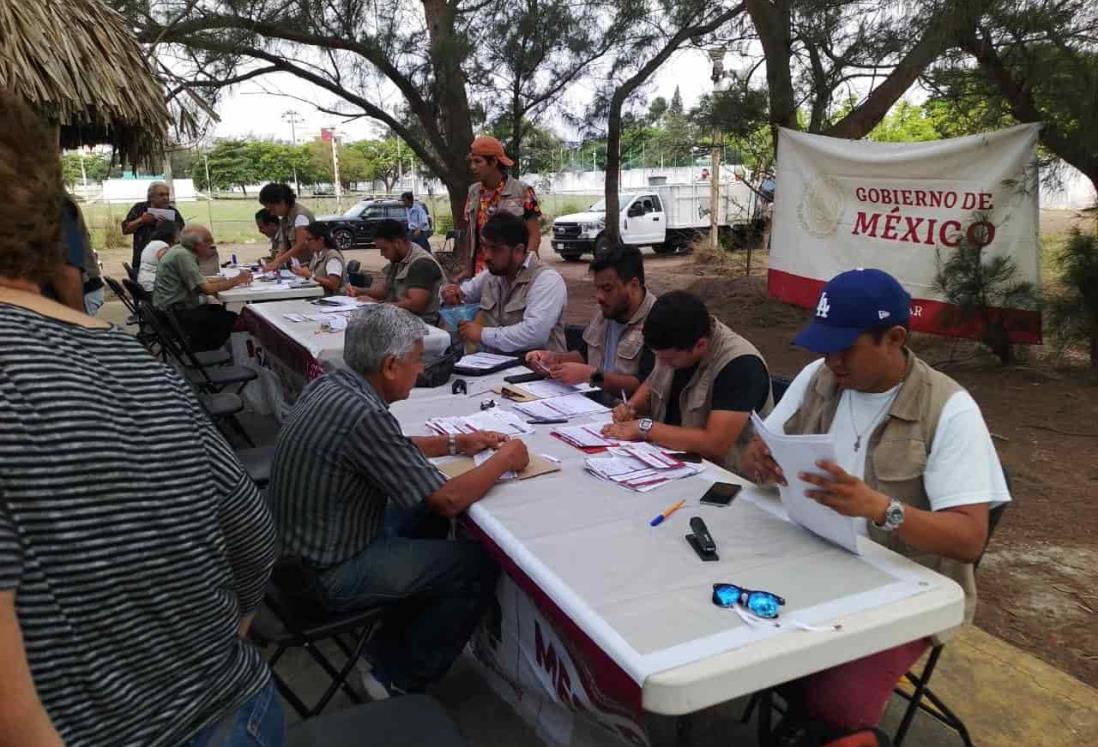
666,217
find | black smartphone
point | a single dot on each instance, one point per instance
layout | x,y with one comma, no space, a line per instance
721,493
523,378
686,456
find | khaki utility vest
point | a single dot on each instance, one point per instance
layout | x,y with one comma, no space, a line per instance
396,280
512,197
896,455
285,235
504,308
630,346
320,259
696,400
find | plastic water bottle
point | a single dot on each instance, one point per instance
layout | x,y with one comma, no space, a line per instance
234,260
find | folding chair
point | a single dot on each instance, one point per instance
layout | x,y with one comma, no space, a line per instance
143,299
408,721
211,377
764,701
130,272
292,617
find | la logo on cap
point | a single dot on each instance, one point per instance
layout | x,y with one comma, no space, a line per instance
883,314
823,307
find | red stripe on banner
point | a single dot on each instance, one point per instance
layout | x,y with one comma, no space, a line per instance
1023,326
606,683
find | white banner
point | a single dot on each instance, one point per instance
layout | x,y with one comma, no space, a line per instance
842,204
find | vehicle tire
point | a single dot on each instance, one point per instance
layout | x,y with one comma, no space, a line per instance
602,243
667,248
343,238
571,256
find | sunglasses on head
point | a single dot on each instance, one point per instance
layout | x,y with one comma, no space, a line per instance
759,603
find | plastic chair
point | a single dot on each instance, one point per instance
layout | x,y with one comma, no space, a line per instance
292,617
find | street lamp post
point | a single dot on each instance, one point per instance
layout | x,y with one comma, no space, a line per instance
294,119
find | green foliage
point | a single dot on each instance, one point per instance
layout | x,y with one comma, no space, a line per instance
1073,309
231,163
737,112
978,287
97,167
906,123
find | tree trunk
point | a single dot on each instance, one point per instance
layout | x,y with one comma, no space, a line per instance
772,22
1094,349
612,181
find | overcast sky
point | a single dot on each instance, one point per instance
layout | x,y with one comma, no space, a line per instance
250,109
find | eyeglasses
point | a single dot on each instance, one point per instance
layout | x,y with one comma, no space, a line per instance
759,603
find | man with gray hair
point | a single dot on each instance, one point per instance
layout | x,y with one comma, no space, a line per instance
180,287
341,458
143,218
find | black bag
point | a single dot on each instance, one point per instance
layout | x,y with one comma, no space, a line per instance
438,373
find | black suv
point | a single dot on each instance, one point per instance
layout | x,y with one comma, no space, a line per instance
356,226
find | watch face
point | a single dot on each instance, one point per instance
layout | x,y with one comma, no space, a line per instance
894,515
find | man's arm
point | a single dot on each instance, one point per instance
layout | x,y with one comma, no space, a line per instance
68,284
135,219
296,251
423,278
23,720
544,306
533,236
721,430
213,286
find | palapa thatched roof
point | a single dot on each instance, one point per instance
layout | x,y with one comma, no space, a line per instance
77,63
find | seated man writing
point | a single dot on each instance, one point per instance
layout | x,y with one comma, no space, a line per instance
327,267
340,458
267,223
707,382
614,356
180,287
521,300
412,278
915,462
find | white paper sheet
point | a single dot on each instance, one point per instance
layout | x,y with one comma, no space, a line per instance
484,360
560,407
162,213
587,436
495,419
548,388
796,454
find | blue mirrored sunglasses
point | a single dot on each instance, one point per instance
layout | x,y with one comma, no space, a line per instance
761,603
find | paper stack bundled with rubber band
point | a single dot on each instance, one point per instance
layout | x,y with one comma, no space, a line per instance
640,467
496,420
568,406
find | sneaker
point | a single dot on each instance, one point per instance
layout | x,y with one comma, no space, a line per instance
375,682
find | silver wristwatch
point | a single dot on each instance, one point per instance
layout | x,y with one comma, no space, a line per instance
452,442
894,516
645,426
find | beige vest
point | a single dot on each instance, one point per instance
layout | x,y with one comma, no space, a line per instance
500,308
286,225
320,259
630,346
511,199
396,277
897,452
696,400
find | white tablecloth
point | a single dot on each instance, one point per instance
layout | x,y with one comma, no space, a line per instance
264,292
639,598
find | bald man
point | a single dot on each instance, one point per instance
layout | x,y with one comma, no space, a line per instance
181,287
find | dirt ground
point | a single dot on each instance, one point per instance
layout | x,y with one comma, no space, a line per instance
1039,578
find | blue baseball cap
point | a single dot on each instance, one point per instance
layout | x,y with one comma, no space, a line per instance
851,303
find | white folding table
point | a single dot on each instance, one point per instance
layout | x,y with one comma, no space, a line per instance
613,617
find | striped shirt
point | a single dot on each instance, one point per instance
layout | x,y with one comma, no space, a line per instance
130,535
340,458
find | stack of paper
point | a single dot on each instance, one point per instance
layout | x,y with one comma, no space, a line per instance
496,420
549,388
797,454
587,436
343,301
485,361
555,408
633,467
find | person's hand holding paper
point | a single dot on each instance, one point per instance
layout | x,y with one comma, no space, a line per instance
844,493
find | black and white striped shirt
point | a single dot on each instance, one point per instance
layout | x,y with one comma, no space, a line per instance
130,534
340,458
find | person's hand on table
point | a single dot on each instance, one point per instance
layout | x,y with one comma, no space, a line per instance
757,464
572,373
474,443
514,455
302,272
470,331
841,491
541,360
628,430
243,278
451,294
624,412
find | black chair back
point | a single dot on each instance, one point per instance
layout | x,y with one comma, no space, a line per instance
123,296
130,272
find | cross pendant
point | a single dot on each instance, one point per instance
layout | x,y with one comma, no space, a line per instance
857,444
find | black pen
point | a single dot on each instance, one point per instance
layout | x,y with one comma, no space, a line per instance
546,422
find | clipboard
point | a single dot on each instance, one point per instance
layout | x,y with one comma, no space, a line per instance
537,466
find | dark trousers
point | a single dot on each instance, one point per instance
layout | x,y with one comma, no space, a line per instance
421,239
208,326
437,590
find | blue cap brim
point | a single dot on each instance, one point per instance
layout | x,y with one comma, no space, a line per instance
820,338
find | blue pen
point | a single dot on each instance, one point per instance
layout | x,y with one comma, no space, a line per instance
667,513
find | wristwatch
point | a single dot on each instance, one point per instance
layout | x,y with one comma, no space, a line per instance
894,516
452,442
598,379
645,426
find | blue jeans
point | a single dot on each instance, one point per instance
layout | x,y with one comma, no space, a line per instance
421,239
258,723
436,591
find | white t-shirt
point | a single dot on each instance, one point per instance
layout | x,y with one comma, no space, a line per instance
146,272
962,467
301,221
334,267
